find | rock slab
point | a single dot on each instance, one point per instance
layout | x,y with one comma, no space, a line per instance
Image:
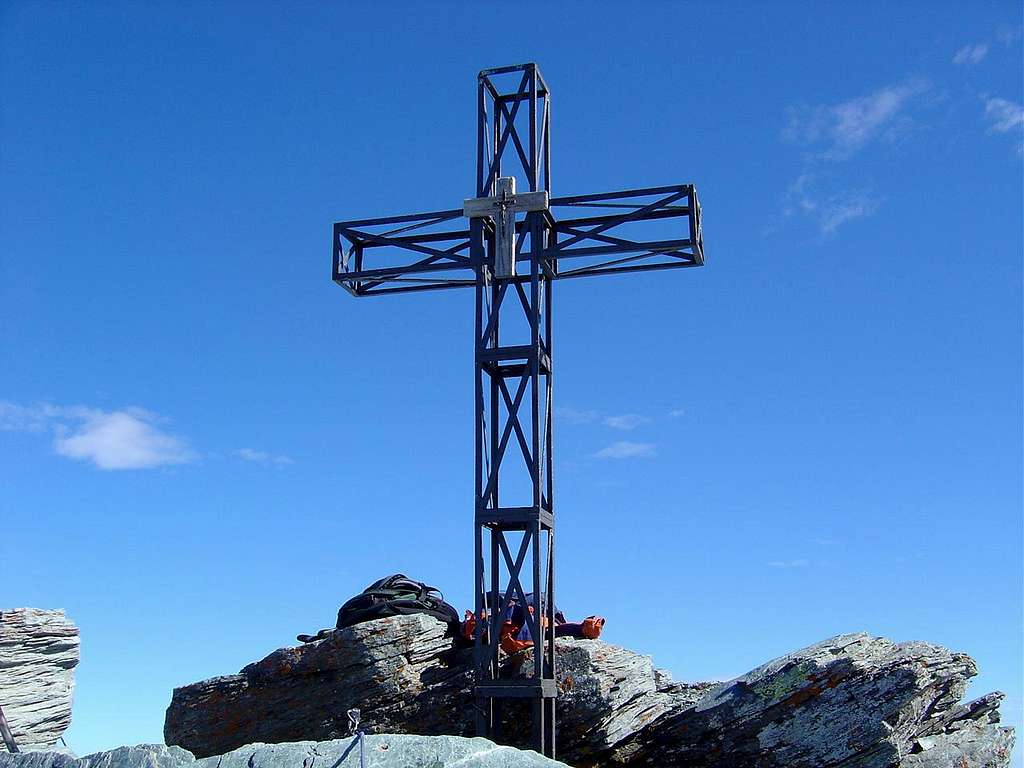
403,673
852,701
38,656
380,751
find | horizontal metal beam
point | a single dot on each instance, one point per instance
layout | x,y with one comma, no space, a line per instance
602,250
510,68
515,518
453,213
592,237
593,272
625,193
390,288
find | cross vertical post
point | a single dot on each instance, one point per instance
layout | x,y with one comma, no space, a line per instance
514,504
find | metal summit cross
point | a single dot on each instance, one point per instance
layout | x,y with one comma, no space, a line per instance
511,250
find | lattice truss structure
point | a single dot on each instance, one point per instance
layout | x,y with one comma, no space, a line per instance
511,247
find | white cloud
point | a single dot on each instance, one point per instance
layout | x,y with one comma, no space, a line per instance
1009,35
262,457
846,127
129,438
828,211
799,195
843,208
1004,115
788,563
676,413
971,54
626,421
576,416
624,449
836,132
19,418
126,439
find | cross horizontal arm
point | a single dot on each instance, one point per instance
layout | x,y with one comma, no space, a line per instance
606,233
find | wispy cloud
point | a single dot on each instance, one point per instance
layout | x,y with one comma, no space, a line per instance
834,133
676,413
843,208
624,449
970,55
128,438
842,129
1005,116
626,421
788,563
20,418
576,416
830,211
1009,35
262,457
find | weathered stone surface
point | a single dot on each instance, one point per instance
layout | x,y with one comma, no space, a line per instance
37,760
606,694
139,756
964,735
403,673
381,751
853,701
38,655
974,746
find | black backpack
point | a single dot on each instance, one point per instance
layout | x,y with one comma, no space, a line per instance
396,595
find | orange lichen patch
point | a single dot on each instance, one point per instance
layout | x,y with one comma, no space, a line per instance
802,696
647,716
816,688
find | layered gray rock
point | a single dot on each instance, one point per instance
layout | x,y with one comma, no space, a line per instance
38,655
379,751
964,735
606,694
853,701
403,673
382,751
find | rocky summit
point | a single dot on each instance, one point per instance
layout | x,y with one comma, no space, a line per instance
853,701
383,751
38,656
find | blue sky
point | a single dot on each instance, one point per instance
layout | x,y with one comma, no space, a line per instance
206,446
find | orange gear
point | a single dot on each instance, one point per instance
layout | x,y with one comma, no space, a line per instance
509,643
469,625
592,626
